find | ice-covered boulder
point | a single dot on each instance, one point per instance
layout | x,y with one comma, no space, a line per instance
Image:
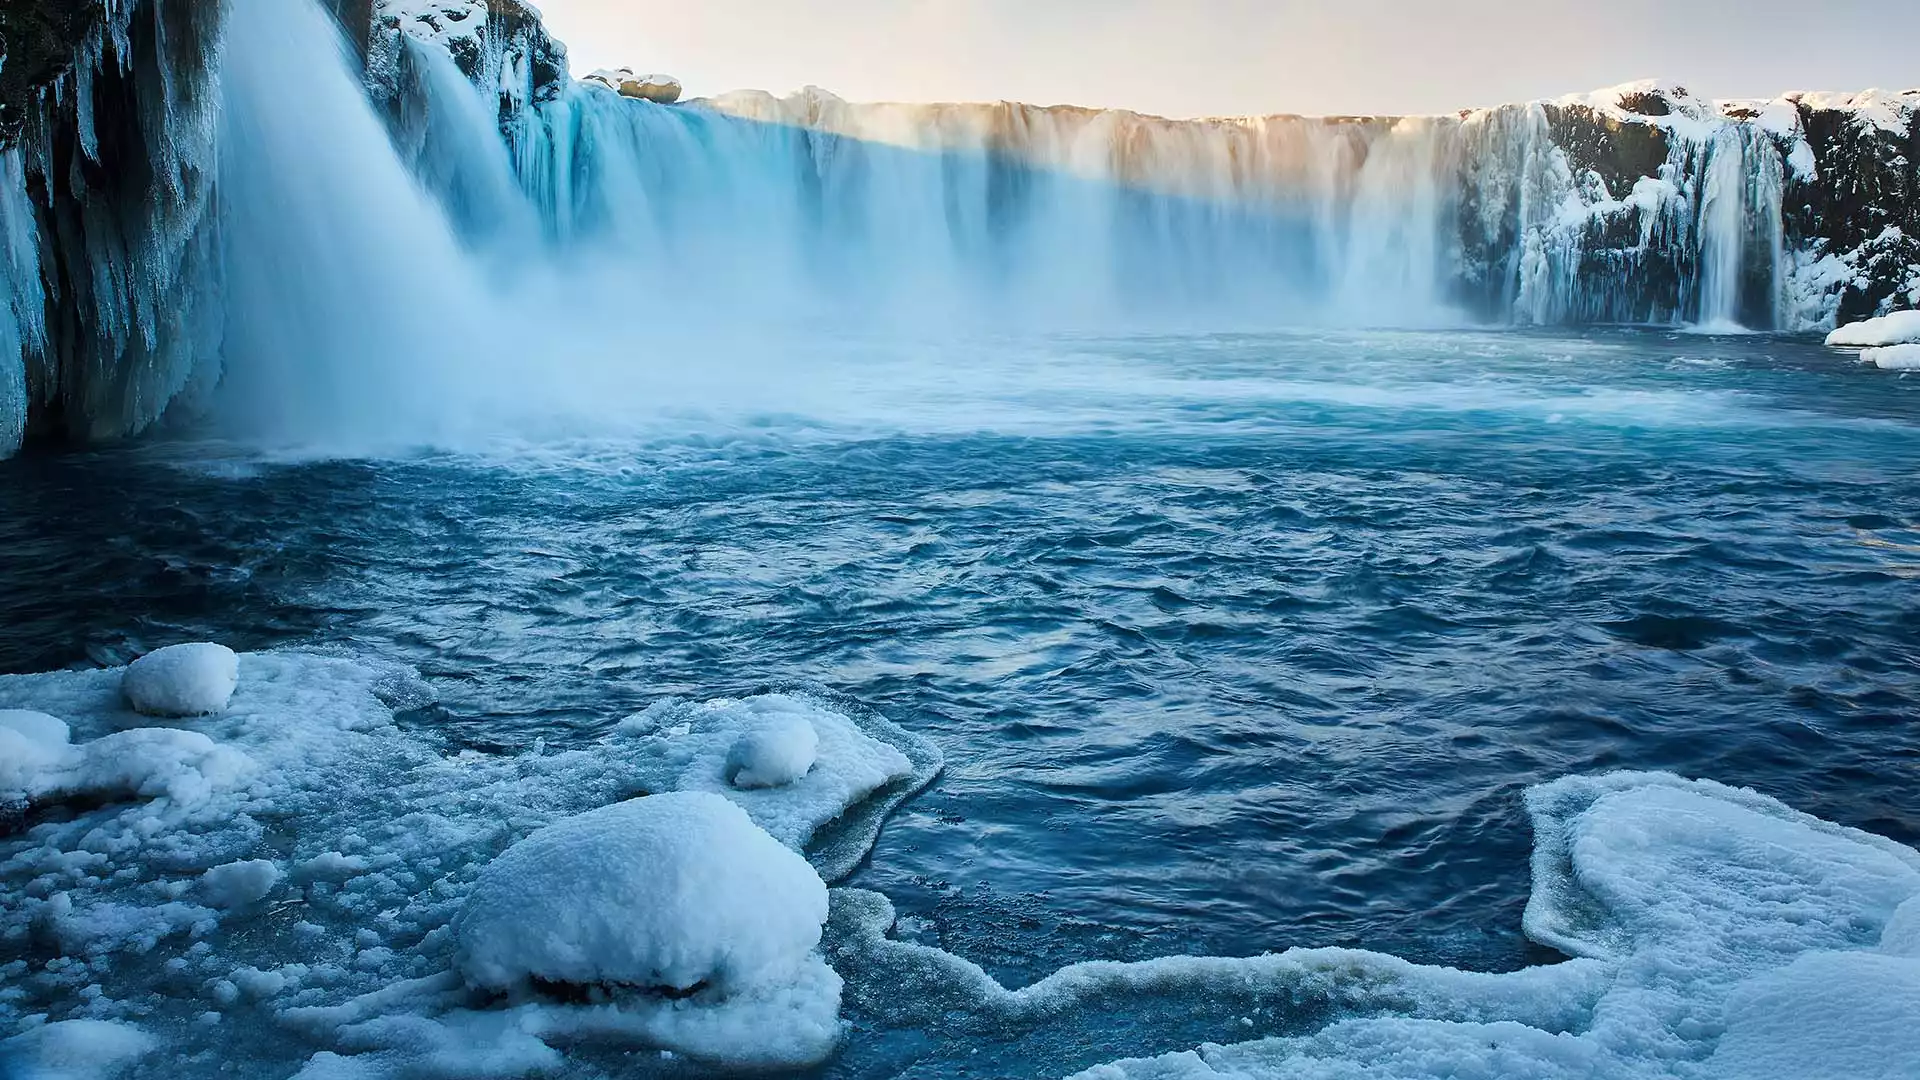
1899,328
775,753
182,680
657,88
679,892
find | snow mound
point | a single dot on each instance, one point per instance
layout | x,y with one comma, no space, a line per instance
659,89
182,680
778,752
1894,357
678,892
1899,328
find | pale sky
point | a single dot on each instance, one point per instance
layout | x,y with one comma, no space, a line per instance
1232,57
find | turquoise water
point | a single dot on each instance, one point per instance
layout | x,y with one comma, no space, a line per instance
1233,643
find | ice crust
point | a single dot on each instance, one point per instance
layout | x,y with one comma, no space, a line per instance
308,864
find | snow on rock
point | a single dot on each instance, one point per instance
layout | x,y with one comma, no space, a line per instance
680,891
1894,357
777,752
182,680
1899,328
238,884
659,89
73,1050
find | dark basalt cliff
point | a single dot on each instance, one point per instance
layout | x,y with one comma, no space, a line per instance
1865,201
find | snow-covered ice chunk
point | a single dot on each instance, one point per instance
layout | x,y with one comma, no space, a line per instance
1899,328
1894,357
690,747
777,752
1826,1016
680,891
237,884
73,1050
183,680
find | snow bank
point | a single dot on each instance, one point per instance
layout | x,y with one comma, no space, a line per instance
1894,357
675,892
1899,328
182,680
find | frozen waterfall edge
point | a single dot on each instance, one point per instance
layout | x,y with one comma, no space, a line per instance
1640,204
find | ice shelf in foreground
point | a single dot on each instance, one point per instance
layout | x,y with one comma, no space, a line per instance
1739,939
301,908
1899,328
279,881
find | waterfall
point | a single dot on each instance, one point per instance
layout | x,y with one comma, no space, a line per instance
483,216
352,305
1723,229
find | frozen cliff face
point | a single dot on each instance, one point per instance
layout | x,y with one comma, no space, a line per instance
501,46
112,309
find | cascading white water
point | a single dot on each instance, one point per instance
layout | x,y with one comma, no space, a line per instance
1723,231
390,276
353,312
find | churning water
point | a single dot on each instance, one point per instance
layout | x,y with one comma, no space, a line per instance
1232,643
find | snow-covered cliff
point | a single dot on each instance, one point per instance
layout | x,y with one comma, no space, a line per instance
1642,203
